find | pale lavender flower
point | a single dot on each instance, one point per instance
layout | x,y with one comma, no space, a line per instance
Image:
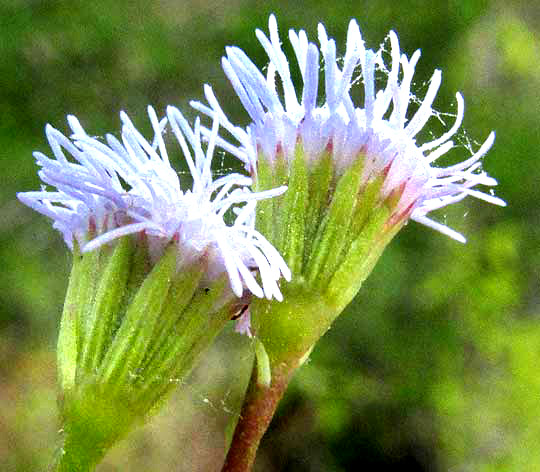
111,189
243,323
380,132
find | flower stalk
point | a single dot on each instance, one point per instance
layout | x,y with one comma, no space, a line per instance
258,409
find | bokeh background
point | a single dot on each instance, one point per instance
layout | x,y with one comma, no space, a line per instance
435,365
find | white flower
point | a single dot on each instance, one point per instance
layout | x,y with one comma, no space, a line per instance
128,186
381,132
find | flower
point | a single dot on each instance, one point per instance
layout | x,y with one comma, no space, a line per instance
109,190
381,133
157,270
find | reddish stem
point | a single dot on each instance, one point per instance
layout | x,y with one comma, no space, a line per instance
258,409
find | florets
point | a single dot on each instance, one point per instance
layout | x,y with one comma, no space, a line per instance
110,189
381,132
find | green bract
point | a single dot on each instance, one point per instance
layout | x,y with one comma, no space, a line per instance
331,230
130,331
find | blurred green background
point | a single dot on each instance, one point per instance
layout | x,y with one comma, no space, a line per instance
435,365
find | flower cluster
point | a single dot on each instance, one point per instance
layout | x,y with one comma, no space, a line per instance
331,182
381,133
119,187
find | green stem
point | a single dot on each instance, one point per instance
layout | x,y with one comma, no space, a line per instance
258,409
75,455
94,419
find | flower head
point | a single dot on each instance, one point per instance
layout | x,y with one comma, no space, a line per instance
111,189
381,132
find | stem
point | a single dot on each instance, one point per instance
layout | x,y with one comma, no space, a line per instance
258,409
75,456
93,422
